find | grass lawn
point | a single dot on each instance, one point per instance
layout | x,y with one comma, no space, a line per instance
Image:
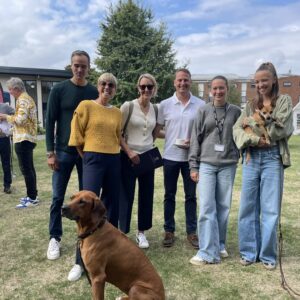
25,272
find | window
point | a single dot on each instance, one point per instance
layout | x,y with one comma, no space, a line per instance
46,88
30,86
298,121
252,84
287,83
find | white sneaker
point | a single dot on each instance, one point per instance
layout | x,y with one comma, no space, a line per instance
27,202
197,261
53,251
224,253
142,241
75,273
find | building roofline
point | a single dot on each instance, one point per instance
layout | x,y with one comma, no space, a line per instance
35,72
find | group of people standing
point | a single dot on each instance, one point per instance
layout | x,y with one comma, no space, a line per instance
203,142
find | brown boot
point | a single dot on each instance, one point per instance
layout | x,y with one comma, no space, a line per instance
193,240
169,239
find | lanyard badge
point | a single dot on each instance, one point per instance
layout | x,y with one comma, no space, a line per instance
220,147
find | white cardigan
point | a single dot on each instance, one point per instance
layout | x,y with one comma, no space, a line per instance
140,126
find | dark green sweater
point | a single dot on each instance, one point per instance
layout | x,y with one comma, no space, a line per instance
63,100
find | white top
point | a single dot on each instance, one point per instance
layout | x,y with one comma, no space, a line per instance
140,127
178,120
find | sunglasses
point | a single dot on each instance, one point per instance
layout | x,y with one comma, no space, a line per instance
109,84
148,86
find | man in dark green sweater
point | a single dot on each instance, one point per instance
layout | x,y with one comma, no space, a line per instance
63,100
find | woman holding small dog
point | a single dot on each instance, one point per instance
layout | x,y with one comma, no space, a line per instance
213,159
262,179
138,124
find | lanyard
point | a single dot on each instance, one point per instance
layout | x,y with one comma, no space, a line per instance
220,123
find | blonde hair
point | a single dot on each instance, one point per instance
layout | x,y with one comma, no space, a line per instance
108,77
151,78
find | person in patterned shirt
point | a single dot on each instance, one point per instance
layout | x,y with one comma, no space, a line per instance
24,123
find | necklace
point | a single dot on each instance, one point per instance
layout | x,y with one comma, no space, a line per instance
144,109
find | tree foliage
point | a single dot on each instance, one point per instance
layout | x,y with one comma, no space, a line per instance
234,96
131,45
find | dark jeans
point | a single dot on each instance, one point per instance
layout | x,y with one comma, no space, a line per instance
171,174
24,151
101,171
145,197
60,180
5,153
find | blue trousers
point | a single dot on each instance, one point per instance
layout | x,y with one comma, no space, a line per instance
145,196
60,180
171,174
102,172
260,205
215,193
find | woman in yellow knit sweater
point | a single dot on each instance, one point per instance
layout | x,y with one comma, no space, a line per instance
96,132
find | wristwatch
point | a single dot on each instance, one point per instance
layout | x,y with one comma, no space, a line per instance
50,154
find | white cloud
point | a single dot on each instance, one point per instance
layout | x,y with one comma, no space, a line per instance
264,34
45,36
221,36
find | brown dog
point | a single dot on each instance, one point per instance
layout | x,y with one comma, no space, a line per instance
259,119
108,255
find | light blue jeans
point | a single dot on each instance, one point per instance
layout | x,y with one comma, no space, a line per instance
215,192
260,205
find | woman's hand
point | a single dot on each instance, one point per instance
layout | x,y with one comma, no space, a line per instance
3,117
134,157
194,176
263,142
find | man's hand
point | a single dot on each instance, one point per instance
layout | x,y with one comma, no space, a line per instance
52,162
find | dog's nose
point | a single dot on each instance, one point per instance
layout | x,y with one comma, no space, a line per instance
64,210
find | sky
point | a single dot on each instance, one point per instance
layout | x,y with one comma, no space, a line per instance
211,36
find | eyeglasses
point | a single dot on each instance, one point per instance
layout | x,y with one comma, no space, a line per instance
148,86
109,84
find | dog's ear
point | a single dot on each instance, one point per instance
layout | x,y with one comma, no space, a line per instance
98,207
73,196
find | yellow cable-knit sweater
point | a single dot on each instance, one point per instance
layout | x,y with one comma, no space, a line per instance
97,128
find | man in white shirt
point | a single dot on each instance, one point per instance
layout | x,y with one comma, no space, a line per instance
176,115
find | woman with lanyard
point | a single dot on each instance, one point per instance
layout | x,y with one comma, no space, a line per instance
213,158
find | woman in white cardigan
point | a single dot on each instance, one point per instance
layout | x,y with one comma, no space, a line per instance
139,120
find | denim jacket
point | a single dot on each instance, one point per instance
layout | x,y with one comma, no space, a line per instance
279,131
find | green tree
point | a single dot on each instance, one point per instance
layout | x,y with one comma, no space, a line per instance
234,96
131,45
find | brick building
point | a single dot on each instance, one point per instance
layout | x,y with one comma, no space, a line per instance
288,84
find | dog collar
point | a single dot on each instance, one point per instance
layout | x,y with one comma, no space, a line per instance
90,232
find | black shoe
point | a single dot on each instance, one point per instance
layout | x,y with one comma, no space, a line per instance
7,190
